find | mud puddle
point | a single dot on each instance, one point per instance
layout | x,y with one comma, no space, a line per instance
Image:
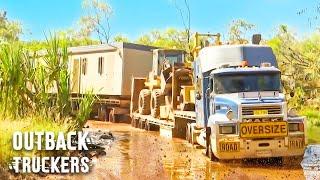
138,154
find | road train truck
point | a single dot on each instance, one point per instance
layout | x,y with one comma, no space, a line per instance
230,101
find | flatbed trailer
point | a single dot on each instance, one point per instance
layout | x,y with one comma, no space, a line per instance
108,108
176,128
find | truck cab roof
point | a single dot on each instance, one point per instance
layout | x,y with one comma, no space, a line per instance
213,57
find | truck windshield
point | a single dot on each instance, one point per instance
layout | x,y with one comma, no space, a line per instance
249,82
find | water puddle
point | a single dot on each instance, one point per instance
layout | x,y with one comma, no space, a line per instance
138,154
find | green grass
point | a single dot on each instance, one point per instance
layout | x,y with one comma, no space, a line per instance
8,127
33,108
313,124
313,134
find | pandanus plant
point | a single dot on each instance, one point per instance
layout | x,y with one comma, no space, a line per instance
37,83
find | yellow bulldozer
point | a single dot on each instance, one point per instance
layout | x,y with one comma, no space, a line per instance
169,86
160,92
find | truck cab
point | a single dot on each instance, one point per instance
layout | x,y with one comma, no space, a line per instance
240,105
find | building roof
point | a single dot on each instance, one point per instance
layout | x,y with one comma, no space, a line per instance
109,47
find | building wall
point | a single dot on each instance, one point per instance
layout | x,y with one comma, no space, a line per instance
108,83
137,63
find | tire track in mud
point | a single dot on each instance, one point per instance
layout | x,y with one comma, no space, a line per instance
138,154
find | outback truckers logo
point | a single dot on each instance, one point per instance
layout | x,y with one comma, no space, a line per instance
45,141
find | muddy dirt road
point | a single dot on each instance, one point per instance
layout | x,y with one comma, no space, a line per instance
138,154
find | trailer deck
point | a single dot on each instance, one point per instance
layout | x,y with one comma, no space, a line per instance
152,120
171,128
191,115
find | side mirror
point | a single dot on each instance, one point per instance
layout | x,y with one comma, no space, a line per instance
198,96
291,94
211,84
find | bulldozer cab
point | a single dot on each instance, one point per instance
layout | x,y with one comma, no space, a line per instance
162,57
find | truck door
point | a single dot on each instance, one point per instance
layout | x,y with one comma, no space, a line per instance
211,107
198,80
206,99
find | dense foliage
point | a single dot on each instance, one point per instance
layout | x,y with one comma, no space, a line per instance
300,66
9,30
36,83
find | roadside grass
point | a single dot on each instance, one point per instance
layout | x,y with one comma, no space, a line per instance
35,95
313,124
29,124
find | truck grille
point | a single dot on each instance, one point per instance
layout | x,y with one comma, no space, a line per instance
273,109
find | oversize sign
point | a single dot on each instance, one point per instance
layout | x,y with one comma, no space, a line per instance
263,129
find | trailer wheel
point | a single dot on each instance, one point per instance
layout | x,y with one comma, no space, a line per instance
144,102
141,124
112,117
132,122
188,133
146,126
157,100
136,123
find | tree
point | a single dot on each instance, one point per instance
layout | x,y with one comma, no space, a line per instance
96,19
238,30
9,30
185,14
312,15
75,39
120,38
170,38
300,66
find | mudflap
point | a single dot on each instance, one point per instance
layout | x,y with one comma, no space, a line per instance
180,127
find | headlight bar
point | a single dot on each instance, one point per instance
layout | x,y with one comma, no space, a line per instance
227,129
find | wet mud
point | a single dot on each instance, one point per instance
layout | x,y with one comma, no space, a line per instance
139,154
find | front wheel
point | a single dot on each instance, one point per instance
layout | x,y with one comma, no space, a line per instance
209,152
157,99
212,157
144,102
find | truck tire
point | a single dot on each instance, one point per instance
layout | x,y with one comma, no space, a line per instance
209,152
189,133
132,122
112,117
157,100
146,126
144,102
212,157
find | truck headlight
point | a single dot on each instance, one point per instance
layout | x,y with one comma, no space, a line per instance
293,127
227,129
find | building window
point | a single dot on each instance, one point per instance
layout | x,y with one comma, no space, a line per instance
100,65
84,66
